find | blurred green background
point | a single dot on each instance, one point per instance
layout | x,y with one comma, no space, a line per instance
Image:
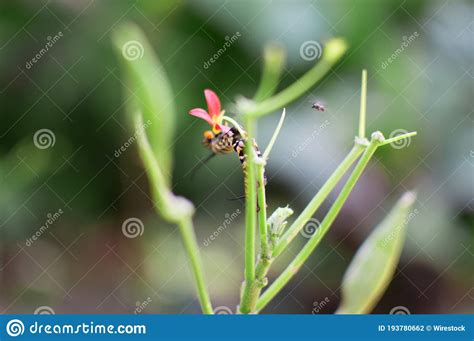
81,262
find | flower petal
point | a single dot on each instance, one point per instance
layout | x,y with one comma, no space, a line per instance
213,103
201,113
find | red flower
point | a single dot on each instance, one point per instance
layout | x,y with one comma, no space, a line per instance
213,115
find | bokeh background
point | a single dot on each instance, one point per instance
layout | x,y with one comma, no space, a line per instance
83,263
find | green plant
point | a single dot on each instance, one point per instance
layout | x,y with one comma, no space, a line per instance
153,100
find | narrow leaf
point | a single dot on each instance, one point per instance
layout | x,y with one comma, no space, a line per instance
374,264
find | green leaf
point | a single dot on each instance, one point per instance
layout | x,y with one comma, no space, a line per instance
147,91
374,264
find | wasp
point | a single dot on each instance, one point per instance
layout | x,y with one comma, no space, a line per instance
224,143
227,142
222,139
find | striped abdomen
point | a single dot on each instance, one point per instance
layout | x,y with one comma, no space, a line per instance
224,143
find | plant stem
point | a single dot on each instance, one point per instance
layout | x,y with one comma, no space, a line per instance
363,104
262,209
191,245
250,219
267,151
174,209
399,137
303,255
235,124
332,52
318,199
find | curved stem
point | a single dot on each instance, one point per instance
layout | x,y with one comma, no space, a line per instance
267,151
173,209
235,124
332,52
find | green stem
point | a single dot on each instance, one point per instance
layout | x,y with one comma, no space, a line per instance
191,245
332,52
174,209
318,199
267,151
235,124
247,300
262,209
399,137
313,242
